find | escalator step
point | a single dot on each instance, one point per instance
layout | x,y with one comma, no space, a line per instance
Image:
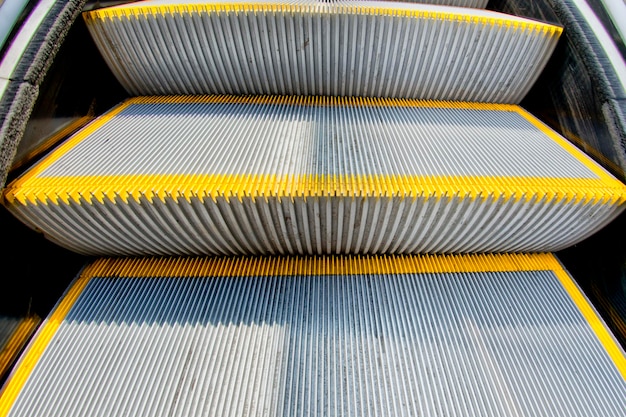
311,47
475,335
286,175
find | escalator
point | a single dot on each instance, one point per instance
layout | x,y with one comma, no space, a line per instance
390,233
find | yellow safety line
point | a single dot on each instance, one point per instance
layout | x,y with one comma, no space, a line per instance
568,146
134,10
597,325
273,100
71,142
18,378
587,148
92,189
19,337
316,265
320,101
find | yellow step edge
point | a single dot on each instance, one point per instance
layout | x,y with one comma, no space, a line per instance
92,189
29,188
135,10
38,345
324,265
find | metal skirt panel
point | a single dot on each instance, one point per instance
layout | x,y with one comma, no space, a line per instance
318,225
457,344
368,49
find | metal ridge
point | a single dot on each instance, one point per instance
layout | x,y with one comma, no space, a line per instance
370,49
418,339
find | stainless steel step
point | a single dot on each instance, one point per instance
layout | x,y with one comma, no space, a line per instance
231,175
311,47
487,335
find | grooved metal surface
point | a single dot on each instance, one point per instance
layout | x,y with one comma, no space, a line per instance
227,175
309,47
457,344
297,137
318,225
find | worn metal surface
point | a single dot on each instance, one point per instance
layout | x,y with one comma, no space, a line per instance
351,48
320,136
281,175
477,335
582,93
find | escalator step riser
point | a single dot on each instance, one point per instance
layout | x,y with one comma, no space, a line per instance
370,49
268,175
